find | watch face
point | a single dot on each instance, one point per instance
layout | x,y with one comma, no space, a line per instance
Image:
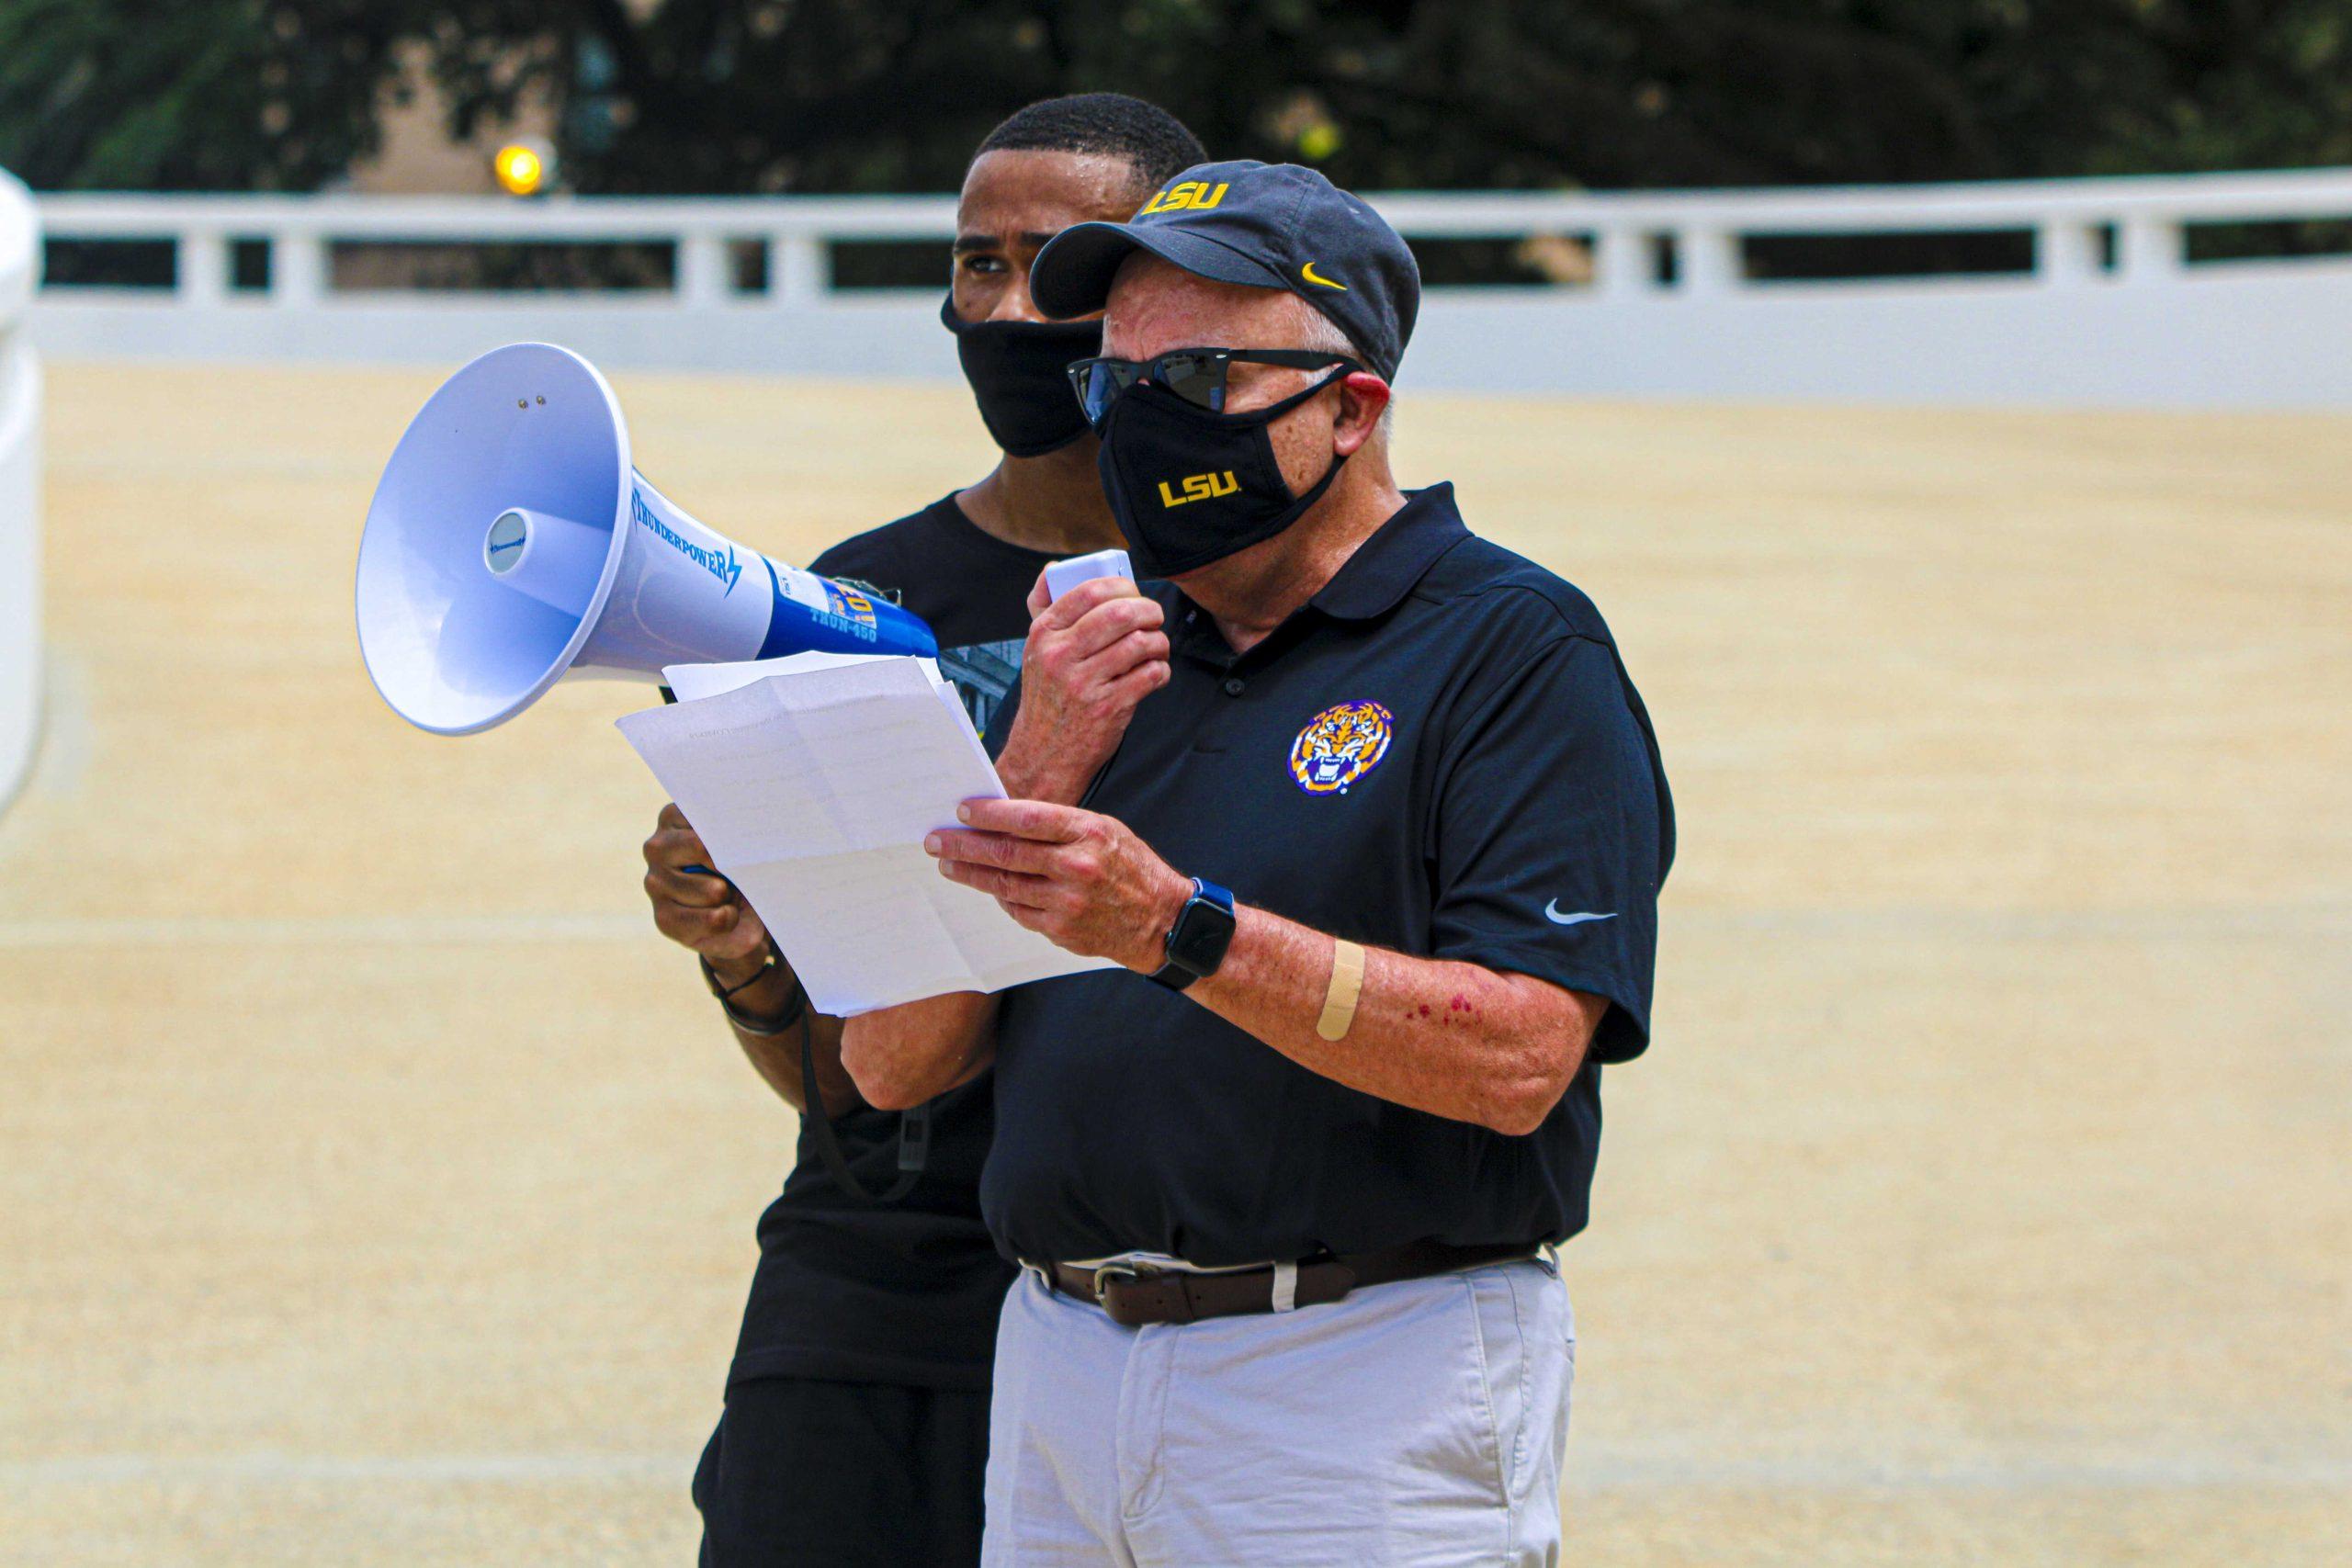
1201,934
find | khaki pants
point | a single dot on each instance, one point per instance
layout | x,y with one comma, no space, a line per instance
1415,1423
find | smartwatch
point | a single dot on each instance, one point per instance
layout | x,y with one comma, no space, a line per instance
1196,942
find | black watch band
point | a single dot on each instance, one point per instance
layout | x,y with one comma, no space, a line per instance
1195,944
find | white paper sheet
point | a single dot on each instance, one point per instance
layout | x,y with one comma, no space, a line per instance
813,789
692,681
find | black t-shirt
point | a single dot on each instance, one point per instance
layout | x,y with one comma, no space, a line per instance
906,1293
1441,754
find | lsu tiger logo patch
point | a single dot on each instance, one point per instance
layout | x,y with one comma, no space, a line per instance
1338,746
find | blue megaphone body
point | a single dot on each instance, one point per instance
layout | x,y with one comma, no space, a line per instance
510,544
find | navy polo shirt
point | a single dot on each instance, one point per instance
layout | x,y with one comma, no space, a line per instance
1441,754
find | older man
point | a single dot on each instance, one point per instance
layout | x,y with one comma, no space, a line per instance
1287,1187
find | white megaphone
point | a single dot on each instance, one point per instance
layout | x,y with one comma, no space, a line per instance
510,544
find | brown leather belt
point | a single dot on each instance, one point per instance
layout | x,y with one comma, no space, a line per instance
1138,1293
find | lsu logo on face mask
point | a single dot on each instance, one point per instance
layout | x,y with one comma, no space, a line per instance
1338,746
1192,196
1198,486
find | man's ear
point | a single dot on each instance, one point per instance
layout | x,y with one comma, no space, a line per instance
1362,396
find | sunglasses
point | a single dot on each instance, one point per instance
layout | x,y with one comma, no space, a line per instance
1196,375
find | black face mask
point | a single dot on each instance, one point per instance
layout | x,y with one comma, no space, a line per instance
1190,487
1016,372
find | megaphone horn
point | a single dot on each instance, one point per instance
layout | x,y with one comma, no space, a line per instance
511,545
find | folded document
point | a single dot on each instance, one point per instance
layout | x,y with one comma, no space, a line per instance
812,780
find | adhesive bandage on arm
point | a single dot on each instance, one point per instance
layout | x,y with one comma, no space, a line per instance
1347,983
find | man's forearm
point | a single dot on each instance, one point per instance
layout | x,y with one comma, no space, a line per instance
1454,1038
777,1058
903,1055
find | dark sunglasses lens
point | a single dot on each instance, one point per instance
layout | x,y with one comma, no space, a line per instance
1098,381
1198,378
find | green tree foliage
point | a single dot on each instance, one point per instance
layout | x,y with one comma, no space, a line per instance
193,95
870,94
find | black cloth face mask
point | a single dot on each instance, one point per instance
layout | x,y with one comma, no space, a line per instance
1190,487
1016,370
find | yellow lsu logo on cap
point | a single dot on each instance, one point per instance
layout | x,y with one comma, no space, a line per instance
1190,196
1200,486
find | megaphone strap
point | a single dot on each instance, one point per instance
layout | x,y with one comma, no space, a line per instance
914,1126
914,1136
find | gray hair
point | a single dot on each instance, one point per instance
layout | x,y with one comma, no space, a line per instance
1321,334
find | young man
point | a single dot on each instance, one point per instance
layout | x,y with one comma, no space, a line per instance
855,1428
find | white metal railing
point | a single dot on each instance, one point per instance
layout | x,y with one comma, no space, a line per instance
19,489
1705,228
2141,222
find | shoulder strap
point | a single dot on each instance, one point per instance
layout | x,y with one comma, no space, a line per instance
914,1126
914,1136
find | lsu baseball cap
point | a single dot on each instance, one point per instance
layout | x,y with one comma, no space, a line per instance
1264,225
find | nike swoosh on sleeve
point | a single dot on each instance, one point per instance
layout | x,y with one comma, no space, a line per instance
1552,913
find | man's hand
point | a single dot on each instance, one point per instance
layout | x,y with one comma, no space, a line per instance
698,910
1082,878
1092,655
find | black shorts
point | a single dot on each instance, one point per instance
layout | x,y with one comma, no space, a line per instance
804,1472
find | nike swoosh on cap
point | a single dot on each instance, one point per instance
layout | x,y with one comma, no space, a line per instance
1308,272
1552,913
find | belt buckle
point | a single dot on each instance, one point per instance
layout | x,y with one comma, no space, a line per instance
1129,1272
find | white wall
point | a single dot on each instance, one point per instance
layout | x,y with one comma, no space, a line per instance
2239,336
2152,329
19,491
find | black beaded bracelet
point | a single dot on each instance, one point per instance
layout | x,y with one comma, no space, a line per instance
769,960
796,1004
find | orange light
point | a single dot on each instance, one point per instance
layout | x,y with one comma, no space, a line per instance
521,170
